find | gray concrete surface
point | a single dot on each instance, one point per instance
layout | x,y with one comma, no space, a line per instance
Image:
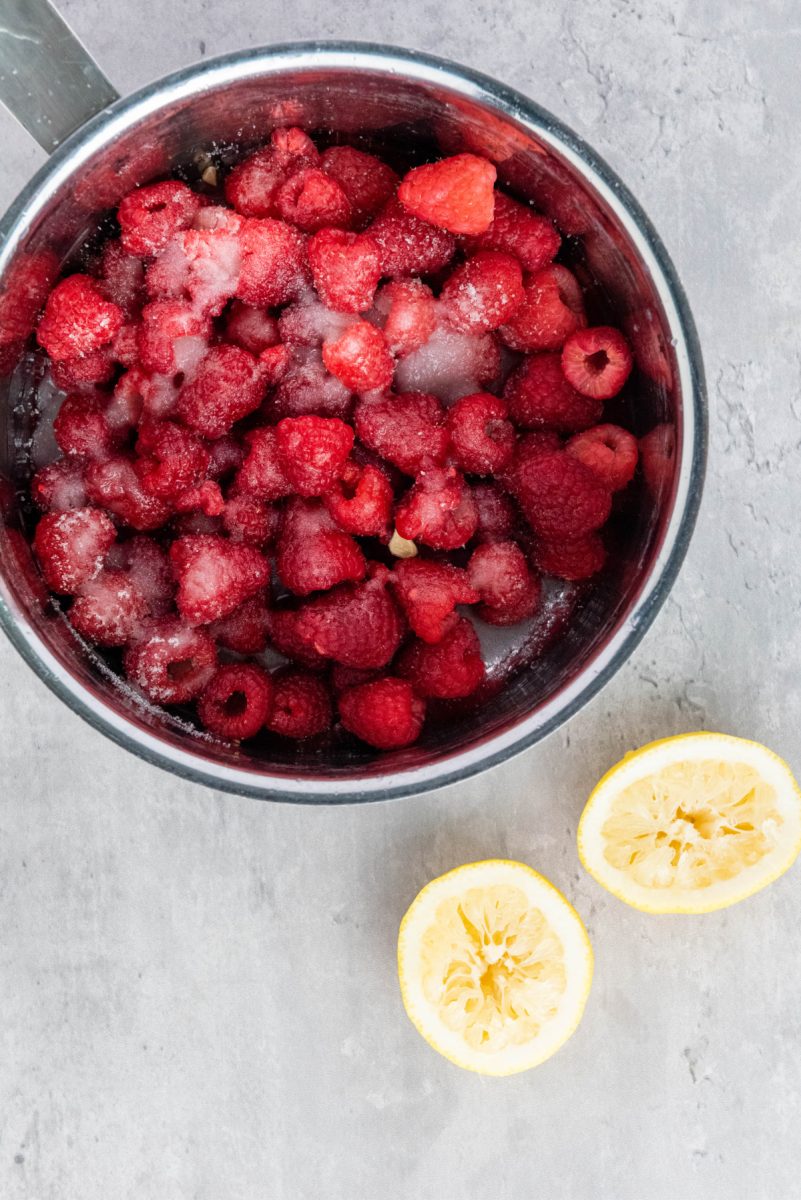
197,993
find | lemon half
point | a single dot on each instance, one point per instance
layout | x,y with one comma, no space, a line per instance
692,824
495,966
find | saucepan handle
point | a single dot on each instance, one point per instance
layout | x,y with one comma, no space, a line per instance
47,79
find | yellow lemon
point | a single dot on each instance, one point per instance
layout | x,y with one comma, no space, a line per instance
691,824
495,966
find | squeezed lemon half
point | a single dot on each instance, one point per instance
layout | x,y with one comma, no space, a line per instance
691,824
495,966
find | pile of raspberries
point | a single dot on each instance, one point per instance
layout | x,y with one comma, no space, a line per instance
323,416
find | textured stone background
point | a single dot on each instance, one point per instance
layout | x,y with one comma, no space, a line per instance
197,993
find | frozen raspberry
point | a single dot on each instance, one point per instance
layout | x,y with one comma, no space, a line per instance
226,455
658,453
454,194
71,547
407,430
227,386
309,389
312,452
136,393
151,215
409,246
206,496
77,319
274,264
366,181
438,510
482,440
360,358
346,268
539,396
313,554
148,567
285,638
215,576
261,474
496,513
574,560
610,453
172,337
560,497
449,670
410,315
80,427
305,326
275,363
200,265
122,277
125,347
451,364
59,486
515,229
236,701
170,458
301,705
109,609
252,185
251,329
360,501
553,308
357,625
597,361
245,629
248,519
170,662
483,292
343,678
311,200
385,713
500,574
97,367
428,593
27,284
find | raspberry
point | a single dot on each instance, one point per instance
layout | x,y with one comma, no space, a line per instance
71,547
482,440
438,510
274,265
27,284
201,265
360,501
261,474
205,496
247,519
226,454
360,358
236,701
309,323
310,389
574,560
451,364
500,574
109,609
312,553
245,629
228,385
658,452
597,361
148,568
170,662
97,367
343,678
428,593
312,452
357,625
366,181
251,329
125,347
483,292
385,713
553,308
252,185
409,246
408,430
311,200
539,396
610,453
451,669
496,513
172,336
454,194
151,215
285,638
122,277
560,497
515,229
214,576
301,705
171,459
410,313
80,427
275,363
77,319
528,447
59,486
137,392
346,268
